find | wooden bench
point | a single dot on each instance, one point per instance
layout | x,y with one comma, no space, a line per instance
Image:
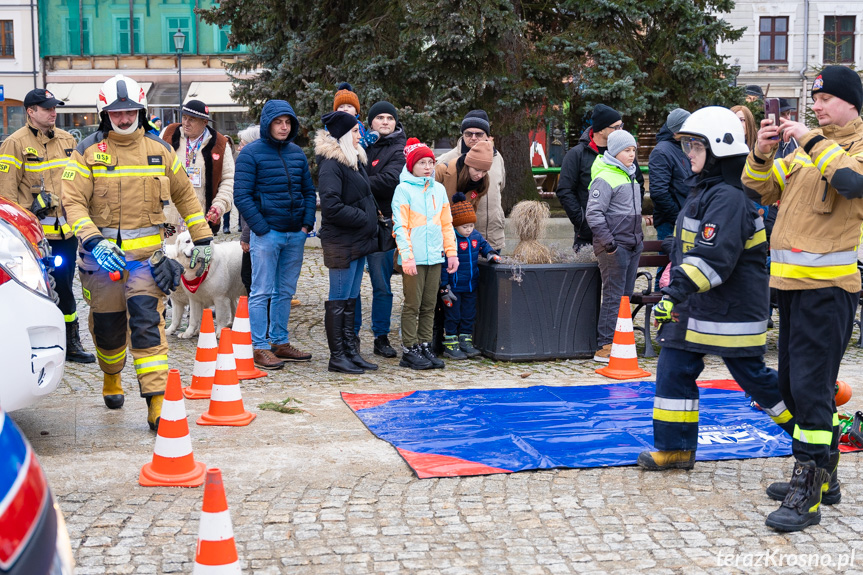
652,259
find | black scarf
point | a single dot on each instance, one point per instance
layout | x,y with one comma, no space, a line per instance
471,185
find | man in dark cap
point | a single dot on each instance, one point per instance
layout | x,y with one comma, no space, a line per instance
32,161
208,160
786,148
813,251
572,187
753,93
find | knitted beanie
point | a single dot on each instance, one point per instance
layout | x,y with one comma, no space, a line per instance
676,118
842,82
345,95
462,211
339,123
480,156
476,119
604,116
619,141
415,151
382,107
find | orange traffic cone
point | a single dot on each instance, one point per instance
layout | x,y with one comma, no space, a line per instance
205,360
173,462
623,363
216,553
226,401
243,351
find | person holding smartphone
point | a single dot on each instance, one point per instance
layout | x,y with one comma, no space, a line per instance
813,252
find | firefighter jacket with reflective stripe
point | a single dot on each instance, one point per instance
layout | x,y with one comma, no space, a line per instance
819,187
719,278
119,184
27,158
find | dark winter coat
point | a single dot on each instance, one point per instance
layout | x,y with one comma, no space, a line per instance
386,160
349,217
719,278
273,187
671,177
466,278
574,182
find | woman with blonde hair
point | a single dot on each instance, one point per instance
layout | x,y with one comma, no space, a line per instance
750,129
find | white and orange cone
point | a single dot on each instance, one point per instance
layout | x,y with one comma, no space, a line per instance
173,461
204,371
216,553
243,350
226,401
623,362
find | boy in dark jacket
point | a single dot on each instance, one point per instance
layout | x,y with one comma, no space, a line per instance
458,290
273,191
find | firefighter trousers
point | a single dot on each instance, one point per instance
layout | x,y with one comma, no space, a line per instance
814,330
127,314
675,407
64,274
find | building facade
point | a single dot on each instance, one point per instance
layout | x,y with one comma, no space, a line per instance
19,63
786,43
85,42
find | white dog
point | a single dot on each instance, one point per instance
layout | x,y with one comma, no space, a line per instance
221,288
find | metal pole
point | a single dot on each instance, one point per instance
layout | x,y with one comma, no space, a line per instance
180,91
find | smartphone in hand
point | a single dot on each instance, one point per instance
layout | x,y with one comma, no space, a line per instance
771,111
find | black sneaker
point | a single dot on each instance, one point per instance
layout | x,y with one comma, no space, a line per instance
383,347
413,358
429,355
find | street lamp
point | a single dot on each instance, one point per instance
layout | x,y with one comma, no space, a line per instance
179,44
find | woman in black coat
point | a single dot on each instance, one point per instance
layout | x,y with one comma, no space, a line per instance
348,233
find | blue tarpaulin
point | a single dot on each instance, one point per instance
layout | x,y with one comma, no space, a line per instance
443,433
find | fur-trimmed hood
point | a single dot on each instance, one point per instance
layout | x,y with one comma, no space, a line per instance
327,147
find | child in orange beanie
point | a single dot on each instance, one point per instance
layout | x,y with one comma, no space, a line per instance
458,290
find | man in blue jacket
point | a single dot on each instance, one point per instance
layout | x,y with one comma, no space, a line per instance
274,193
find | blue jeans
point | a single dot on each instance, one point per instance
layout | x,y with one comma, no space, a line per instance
380,274
277,259
345,282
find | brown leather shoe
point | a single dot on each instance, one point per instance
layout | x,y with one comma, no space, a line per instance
289,353
265,359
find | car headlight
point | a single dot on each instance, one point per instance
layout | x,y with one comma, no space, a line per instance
20,261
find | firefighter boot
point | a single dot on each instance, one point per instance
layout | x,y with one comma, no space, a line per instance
74,350
832,496
801,507
154,410
112,391
662,460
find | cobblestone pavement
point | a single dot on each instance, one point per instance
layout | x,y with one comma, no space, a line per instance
315,492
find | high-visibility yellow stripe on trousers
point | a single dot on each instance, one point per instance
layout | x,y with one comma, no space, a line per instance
150,364
675,410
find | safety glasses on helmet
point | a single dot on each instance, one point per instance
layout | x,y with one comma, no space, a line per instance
693,143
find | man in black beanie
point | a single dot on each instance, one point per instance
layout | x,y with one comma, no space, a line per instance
572,187
813,252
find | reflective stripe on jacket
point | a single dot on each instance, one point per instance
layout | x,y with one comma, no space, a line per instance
819,187
27,159
719,277
121,184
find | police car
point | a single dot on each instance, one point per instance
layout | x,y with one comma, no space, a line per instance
33,536
33,333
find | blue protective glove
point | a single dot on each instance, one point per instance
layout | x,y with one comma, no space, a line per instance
662,311
369,139
109,256
447,296
202,254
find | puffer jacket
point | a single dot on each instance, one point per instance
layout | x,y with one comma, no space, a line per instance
817,231
422,221
349,222
273,187
614,207
574,182
466,278
719,276
490,219
671,177
386,160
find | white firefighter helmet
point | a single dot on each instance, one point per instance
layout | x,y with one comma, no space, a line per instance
720,128
121,93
